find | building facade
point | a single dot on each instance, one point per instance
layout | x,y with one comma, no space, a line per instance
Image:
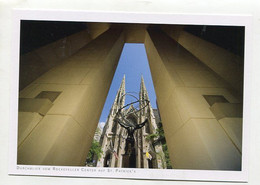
114,138
198,83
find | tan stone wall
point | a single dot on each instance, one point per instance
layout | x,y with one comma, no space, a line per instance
39,61
64,135
95,29
226,64
195,138
135,33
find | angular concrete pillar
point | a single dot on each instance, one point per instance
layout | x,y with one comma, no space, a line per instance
195,138
199,135
226,64
64,134
39,61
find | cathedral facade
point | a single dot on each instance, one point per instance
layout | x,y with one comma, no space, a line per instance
114,139
198,82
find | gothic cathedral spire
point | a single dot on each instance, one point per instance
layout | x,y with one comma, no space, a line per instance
114,138
120,98
143,97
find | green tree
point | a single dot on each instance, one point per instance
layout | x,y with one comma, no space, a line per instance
95,152
159,137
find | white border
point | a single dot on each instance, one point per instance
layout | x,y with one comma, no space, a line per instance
123,17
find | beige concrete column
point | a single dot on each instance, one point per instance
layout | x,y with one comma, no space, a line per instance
64,134
39,61
195,138
226,64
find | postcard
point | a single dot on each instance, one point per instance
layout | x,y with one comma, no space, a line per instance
136,96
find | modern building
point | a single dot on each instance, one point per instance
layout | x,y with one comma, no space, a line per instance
197,73
144,154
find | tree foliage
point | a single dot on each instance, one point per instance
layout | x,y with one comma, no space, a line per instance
95,152
159,137
167,157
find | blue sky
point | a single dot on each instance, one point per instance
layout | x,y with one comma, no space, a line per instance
133,63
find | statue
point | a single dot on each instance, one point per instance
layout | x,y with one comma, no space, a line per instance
122,118
130,129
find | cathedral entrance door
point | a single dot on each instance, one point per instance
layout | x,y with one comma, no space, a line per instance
129,158
107,161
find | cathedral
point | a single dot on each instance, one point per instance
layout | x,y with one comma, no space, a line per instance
198,77
118,151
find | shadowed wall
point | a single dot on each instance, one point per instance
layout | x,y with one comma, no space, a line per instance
199,135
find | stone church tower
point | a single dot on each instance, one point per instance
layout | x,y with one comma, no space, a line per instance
113,139
198,83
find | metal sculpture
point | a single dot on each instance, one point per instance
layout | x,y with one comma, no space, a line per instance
122,118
